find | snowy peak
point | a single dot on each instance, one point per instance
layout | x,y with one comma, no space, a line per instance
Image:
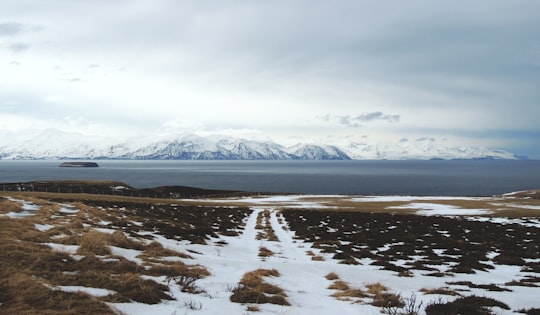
54,144
422,149
200,148
318,152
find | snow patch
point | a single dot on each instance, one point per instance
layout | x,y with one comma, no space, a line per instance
428,209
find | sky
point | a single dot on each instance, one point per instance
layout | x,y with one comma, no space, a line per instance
460,72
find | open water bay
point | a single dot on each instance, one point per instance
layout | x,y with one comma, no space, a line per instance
437,177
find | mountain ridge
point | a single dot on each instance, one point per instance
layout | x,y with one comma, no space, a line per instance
54,144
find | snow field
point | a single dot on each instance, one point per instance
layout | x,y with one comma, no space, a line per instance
228,258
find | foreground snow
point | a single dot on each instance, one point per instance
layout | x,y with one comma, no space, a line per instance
304,279
228,258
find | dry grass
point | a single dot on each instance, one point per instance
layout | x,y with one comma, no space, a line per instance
259,223
253,289
496,206
383,298
376,288
132,287
265,252
315,257
253,308
24,294
344,291
75,197
339,285
265,226
440,291
388,300
318,258
347,295
332,276
176,269
7,206
26,268
119,239
155,249
94,243
465,305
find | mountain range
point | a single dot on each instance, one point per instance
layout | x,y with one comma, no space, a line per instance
55,144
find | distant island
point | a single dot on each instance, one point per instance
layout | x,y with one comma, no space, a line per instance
79,164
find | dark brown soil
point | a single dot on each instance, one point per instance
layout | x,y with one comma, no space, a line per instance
424,242
119,188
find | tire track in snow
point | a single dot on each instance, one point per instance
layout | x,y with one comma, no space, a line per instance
301,277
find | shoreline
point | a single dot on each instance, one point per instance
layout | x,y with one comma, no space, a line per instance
115,187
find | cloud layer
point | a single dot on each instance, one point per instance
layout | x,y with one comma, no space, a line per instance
464,71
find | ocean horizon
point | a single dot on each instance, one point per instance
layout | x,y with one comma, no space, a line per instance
373,177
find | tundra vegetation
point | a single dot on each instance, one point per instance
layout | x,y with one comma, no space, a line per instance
92,253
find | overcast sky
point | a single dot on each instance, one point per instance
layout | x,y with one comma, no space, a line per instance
461,72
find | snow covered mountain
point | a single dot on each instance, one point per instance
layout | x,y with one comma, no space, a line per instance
422,149
54,144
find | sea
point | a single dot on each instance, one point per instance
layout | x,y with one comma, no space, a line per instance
380,177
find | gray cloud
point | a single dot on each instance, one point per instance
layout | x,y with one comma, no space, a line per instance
366,117
15,28
11,28
429,139
446,67
359,120
19,47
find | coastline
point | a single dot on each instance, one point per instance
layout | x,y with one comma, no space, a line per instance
441,178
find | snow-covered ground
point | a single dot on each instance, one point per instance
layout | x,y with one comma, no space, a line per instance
228,258
304,280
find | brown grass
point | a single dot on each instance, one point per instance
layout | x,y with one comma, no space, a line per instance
265,226
253,308
23,294
155,249
94,243
318,258
41,268
388,300
348,294
499,206
119,239
440,291
376,288
253,289
7,206
265,252
132,287
344,291
26,268
177,268
332,276
339,285
465,305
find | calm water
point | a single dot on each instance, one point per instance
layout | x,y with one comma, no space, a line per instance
449,178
